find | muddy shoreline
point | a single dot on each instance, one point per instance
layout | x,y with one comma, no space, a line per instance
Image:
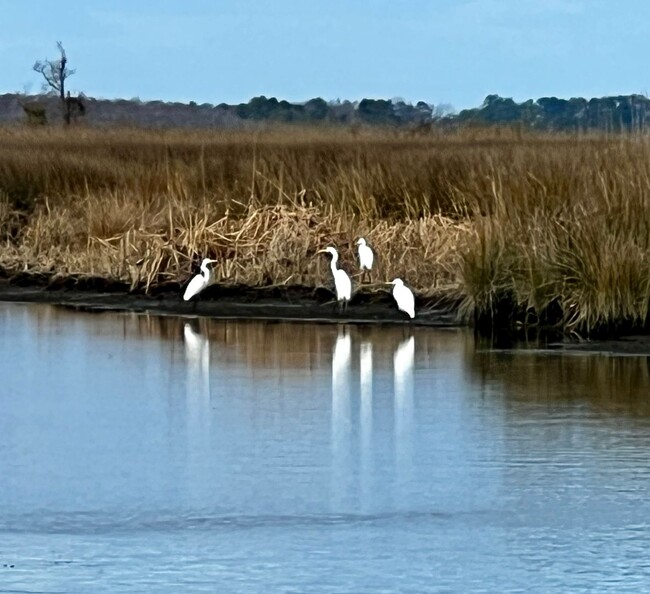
302,304
226,302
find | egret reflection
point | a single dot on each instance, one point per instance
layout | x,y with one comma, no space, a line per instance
365,377
341,414
197,357
197,400
403,359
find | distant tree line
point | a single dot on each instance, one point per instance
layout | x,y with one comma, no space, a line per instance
624,113
611,114
627,113
368,111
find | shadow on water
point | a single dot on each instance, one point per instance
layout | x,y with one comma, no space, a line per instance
610,384
79,523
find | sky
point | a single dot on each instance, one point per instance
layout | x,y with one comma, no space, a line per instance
439,51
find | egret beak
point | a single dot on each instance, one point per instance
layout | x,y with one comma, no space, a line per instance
322,252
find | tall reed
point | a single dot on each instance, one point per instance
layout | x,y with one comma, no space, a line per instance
551,228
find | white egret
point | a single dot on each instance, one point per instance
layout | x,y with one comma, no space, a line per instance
404,297
342,281
366,256
200,281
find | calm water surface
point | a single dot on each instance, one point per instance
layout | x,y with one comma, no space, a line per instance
148,454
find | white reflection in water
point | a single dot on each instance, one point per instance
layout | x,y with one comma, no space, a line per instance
197,357
403,388
197,360
341,421
365,376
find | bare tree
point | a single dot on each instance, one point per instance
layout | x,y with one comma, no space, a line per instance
55,73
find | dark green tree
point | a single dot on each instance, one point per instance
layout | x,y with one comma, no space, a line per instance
316,109
377,111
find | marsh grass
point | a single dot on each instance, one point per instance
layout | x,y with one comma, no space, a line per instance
550,229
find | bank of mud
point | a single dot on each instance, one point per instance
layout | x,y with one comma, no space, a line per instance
225,302
295,303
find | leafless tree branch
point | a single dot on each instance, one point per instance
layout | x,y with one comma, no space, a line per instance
55,73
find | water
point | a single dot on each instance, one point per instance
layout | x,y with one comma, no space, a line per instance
145,454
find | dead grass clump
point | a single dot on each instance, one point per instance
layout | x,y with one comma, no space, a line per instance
585,252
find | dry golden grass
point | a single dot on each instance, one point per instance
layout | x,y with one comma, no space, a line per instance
535,223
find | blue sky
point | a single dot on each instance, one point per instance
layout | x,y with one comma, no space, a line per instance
439,51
